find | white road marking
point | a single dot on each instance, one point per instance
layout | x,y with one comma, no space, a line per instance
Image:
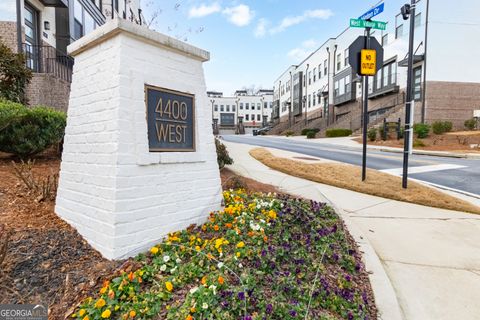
423,169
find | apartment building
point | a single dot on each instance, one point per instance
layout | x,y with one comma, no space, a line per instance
249,111
446,81
42,30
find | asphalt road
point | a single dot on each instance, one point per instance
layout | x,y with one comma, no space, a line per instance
460,174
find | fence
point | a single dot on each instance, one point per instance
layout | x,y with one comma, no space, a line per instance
46,59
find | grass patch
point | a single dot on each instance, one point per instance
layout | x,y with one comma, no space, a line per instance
263,257
377,183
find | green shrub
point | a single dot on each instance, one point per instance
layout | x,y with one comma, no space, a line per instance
332,133
372,134
311,134
421,130
25,132
306,130
289,133
14,75
223,157
440,127
418,143
470,124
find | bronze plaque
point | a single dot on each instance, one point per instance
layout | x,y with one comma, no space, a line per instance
170,120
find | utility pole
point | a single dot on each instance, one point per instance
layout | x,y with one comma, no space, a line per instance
408,11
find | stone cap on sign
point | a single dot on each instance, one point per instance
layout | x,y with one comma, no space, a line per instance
117,26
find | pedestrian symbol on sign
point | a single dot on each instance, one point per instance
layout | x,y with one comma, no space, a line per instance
368,65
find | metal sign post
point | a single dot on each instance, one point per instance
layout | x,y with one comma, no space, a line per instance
365,108
366,58
408,11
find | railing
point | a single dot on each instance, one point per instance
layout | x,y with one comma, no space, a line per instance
46,59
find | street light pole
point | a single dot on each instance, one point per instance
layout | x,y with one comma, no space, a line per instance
408,11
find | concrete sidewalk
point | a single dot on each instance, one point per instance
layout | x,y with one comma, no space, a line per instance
349,142
429,259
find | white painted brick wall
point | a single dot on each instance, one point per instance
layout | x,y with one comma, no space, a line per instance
119,196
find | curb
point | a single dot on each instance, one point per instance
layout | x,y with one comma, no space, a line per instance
434,154
386,300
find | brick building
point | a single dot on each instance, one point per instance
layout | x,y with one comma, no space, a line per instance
323,90
42,30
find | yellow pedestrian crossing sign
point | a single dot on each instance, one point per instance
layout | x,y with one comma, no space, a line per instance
368,62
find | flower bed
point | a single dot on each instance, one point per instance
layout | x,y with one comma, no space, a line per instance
262,257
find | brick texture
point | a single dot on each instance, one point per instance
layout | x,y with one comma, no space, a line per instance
118,195
8,34
452,101
46,89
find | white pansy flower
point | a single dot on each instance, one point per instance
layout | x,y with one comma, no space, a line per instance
173,269
214,289
220,265
205,305
163,267
178,260
166,258
240,265
193,290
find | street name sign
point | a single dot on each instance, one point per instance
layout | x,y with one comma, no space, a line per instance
358,23
368,64
373,12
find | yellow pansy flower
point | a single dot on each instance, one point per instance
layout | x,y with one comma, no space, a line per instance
106,314
241,244
169,286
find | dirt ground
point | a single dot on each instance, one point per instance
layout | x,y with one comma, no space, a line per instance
46,260
461,141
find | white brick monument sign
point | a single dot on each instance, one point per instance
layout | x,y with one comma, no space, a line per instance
139,157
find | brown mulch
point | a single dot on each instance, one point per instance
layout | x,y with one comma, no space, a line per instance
46,260
459,141
230,180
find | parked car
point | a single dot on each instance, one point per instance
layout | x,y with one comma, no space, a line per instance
262,131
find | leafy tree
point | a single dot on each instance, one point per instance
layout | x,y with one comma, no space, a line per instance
14,75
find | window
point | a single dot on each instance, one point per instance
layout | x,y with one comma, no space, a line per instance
309,77
346,57
246,117
379,79
222,108
325,68
309,101
385,75
216,107
385,40
399,31
259,106
336,89
253,117
241,105
339,61
348,87
258,117
314,74
341,87
418,20
265,105
319,71
304,79
228,108
233,107
271,105
247,107
417,83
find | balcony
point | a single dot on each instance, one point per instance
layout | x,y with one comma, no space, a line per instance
344,98
384,87
55,3
46,59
